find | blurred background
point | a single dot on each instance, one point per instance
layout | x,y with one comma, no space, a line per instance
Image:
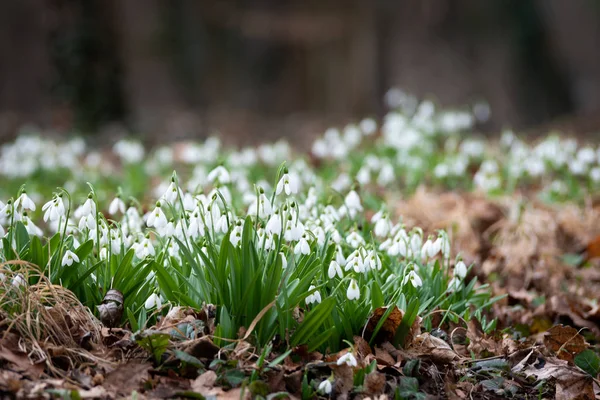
262,69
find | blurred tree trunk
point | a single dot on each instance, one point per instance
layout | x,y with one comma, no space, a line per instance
25,68
150,91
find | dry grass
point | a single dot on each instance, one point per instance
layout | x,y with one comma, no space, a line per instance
45,321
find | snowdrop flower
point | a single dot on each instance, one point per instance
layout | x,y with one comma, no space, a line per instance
157,218
353,293
302,247
334,269
445,246
416,242
386,175
69,258
293,230
363,176
153,301
261,206
368,126
339,256
431,248
219,174
19,280
54,209
595,174
236,234
88,208
414,279
383,226
355,240
356,262
313,298
325,387
116,205
144,249
347,359
283,260
287,184
460,270
373,260
170,195
31,228
25,202
352,202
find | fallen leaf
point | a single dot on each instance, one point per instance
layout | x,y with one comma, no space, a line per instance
565,341
127,377
434,348
383,357
21,362
571,382
374,383
388,328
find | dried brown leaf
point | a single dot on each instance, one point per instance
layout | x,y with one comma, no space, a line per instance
565,341
389,327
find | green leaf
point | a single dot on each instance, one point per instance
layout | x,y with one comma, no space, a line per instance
411,368
132,320
409,317
312,322
22,239
588,361
84,250
187,358
155,342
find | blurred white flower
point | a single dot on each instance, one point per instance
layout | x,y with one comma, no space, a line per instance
69,258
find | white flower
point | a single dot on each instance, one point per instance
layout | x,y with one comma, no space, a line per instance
353,292
31,228
116,205
334,269
235,237
355,240
460,270
373,260
347,359
261,206
287,184
445,247
414,279
153,301
386,175
302,247
294,231
25,202
325,387
368,126
274,224
339,256
382,226
170,194
313,298
54,209
363,176
283,260
157,218
69,258
219,174
19,280
352,201
144,249
431,248
88,208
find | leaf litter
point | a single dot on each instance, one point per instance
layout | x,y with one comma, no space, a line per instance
542,258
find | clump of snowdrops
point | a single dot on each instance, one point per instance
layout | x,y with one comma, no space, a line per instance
299,263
